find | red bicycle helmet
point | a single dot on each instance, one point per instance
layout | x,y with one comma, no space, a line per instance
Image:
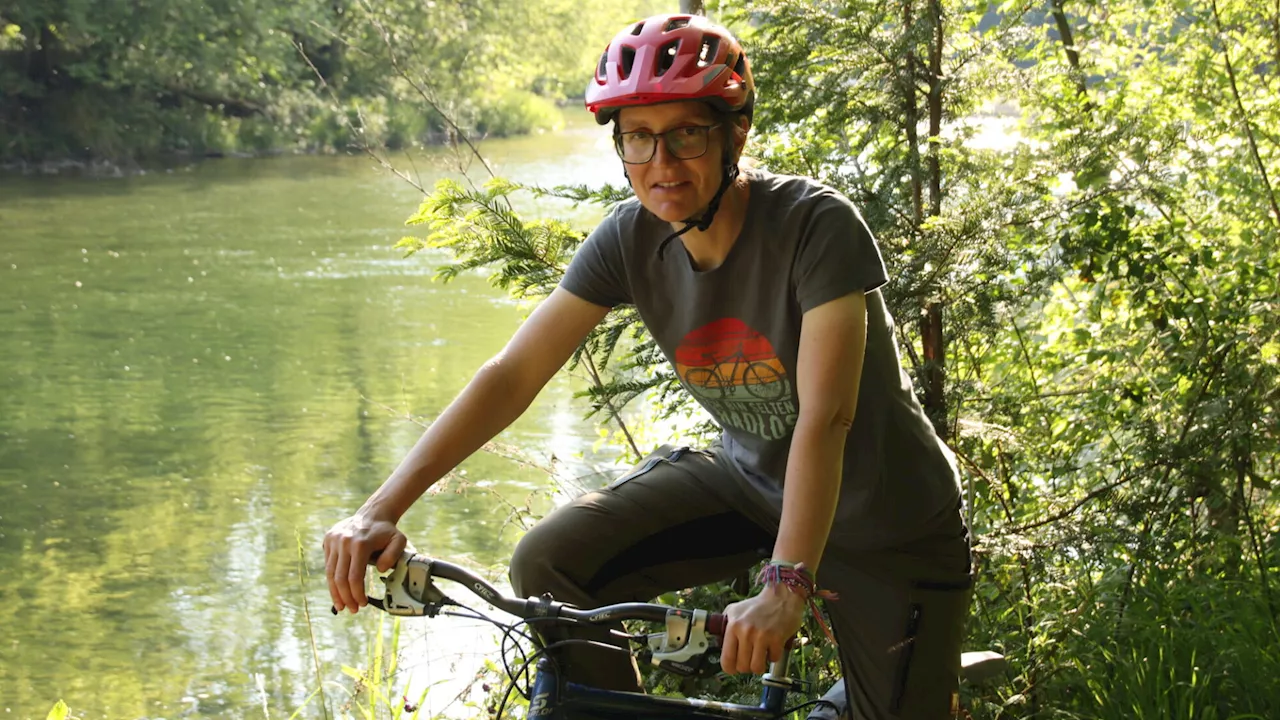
667,58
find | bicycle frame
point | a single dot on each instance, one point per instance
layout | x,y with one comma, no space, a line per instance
551,699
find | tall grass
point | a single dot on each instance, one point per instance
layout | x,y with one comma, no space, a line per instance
1176,646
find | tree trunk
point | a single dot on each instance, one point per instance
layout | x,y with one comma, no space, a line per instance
40,69
910,121
692,7
933,339
932,332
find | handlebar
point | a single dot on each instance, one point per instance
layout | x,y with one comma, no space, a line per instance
409,591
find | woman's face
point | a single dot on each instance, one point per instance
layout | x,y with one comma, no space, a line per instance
674,189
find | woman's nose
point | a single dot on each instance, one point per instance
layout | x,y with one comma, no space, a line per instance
661,155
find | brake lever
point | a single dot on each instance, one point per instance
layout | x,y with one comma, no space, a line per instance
680,649
408,590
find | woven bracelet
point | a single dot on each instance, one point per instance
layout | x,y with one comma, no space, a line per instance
800,581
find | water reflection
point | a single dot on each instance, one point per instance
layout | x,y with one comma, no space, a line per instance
201,368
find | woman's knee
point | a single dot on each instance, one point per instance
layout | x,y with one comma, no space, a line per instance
532,572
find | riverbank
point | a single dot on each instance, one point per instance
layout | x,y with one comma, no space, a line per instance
128,167
103,168
103,145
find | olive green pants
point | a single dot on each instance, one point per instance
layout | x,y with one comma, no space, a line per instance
683,518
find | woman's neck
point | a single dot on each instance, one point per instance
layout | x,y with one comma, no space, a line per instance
708,249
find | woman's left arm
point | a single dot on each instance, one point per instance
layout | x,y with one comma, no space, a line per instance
833,337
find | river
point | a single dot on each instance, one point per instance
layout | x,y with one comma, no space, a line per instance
203,368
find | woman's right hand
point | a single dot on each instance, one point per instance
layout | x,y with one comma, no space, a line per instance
347,548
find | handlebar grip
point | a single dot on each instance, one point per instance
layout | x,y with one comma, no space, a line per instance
716,624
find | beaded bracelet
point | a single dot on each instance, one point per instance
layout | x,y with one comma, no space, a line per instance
797,578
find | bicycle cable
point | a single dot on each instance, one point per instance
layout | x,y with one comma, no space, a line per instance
543,651
507,631
510,629
802,706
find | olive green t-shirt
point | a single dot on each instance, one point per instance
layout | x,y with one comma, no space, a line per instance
733,333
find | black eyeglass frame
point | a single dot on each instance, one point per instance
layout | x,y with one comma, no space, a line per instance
653,150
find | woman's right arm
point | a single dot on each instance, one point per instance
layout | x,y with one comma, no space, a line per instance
503,388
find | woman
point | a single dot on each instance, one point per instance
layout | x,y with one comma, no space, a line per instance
762,290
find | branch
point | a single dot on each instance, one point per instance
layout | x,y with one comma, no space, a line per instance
356,133
235,107
1069,45
422,92
1026,354
1071,510
1244,116
613,412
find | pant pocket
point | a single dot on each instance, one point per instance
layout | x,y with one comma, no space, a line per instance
915,612
664,453
926,678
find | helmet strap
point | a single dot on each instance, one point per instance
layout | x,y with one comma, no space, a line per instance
704,221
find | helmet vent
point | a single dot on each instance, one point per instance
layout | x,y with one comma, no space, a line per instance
638,28
603,68
628,59
676,24
707,53
740,67
666,57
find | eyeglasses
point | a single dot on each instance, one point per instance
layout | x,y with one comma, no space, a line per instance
683,143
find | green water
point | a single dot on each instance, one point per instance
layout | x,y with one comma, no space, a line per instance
202,365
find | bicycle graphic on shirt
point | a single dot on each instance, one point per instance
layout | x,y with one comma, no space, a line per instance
759,378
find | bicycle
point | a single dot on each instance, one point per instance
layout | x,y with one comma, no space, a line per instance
688,635
759,378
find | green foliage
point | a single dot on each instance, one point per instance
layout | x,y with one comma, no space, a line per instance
119,80
1110,375
516,112
528,259
480,227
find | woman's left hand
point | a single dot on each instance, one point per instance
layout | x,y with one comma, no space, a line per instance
759,628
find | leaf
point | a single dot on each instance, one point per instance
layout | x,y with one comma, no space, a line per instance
1270,351
60,711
